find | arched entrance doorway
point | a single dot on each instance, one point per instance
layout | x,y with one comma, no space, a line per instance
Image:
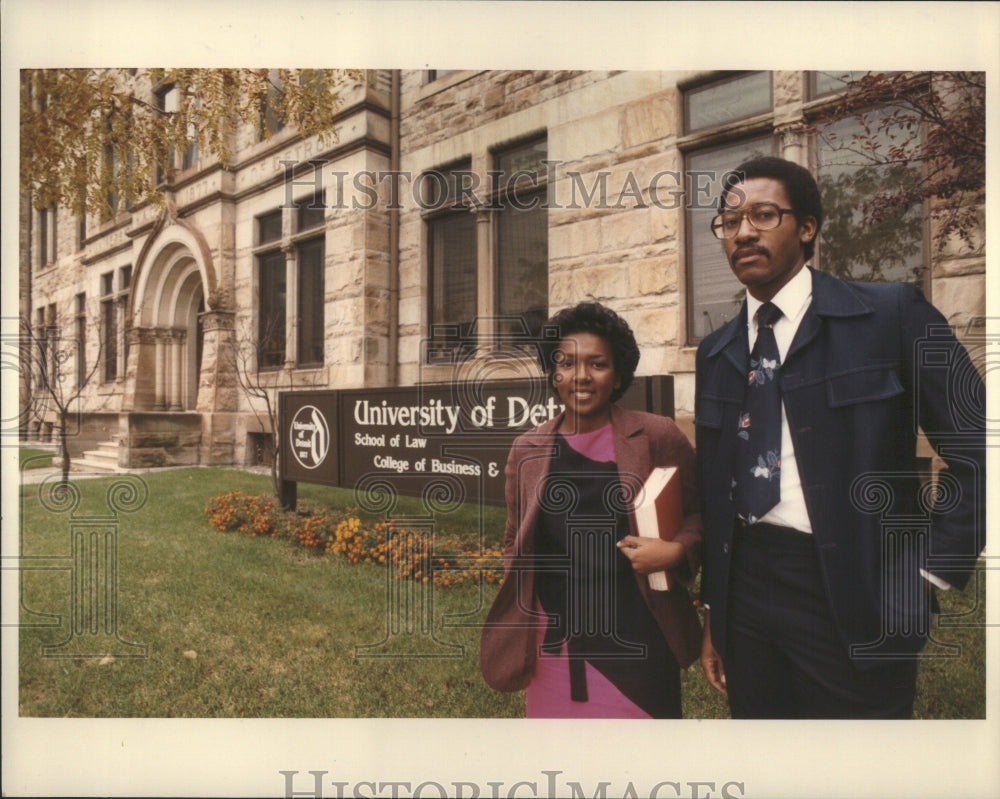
168,332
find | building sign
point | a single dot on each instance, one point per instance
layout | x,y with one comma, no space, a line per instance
449,439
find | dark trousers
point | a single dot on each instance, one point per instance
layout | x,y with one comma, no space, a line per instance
784,658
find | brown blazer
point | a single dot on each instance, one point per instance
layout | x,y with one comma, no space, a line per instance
642,441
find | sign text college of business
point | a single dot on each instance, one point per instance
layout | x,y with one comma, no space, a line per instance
407,439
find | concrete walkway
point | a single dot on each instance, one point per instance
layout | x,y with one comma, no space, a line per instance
32,476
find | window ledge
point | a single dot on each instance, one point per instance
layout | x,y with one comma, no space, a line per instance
484,367
296,377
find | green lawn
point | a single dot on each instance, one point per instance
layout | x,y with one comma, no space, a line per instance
34,458
214,624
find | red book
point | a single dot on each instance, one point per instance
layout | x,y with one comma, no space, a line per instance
659,511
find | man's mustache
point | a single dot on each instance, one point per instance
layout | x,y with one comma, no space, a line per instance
750,249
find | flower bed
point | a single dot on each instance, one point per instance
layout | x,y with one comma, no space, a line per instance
409,554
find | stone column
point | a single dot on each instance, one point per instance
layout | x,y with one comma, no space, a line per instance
486,286
792,142
176,345
291,308
160,401
122,354
217,389
140,378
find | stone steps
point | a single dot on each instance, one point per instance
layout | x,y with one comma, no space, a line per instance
104,459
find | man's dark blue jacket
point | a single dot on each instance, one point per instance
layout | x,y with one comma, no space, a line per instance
869,363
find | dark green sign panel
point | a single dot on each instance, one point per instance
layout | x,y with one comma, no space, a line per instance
447,440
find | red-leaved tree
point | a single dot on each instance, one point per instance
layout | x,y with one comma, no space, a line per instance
931,126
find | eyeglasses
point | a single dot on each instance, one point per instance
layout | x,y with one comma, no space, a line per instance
763,216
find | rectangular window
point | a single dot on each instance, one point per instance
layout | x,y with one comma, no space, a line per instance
190,155
109,328
124,288
514,284
81,231
522,241
111,166
311,213
52,334
452,251
43,238
856,243
453,262
310,265
522,270
824,83
270,122
80,322
276,297
269,228
170,100
47,236
727,100
271,321
41,333
714,295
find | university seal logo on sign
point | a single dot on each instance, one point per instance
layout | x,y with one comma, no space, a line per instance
310,437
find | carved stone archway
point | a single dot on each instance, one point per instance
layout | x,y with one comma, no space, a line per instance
166,333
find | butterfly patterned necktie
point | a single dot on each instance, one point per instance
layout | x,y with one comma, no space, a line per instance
758,457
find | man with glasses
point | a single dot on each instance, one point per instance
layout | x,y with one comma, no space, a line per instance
820,546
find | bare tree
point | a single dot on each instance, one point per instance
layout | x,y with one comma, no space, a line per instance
261,373
55,372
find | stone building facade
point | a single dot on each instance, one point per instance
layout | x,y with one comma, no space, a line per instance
453,212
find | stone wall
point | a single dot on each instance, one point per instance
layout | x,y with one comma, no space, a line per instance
152,440
608,136
464,101
85,431
621,246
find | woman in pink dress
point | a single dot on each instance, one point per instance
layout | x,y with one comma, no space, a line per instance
575,622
